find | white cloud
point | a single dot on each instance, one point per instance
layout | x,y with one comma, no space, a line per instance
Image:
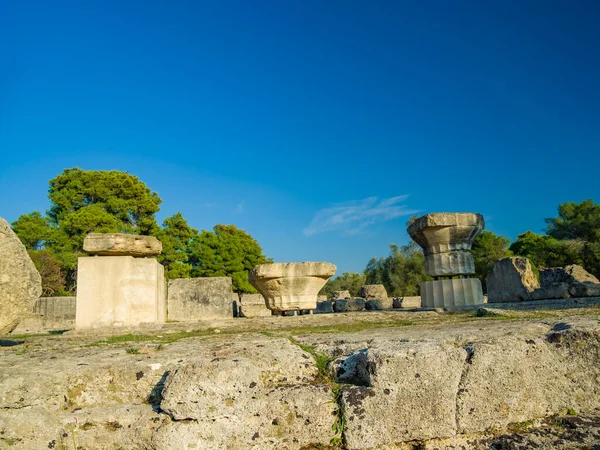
352,217
240,207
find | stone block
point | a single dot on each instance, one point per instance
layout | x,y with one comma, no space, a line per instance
376,291
340,295
253,305
569,274
407,302
119,291
451,293
511,280
192,299
20,282
49,314
378,304
349,304
120,244
324,307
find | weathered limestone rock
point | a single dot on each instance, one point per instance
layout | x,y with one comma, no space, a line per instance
199,299
340,295
20,282
119,291
414,391
370,291
569,274
378,304
253,305
49,314
291,286
120,244
349,304
446,239
254,394
511,280
451,293
566,282
407,302
324,307
422,378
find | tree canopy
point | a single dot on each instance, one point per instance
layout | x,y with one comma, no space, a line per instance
401,272
571,238
86,201
226,251
351,282
487,249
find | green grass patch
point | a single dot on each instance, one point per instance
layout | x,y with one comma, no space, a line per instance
520,427
133,351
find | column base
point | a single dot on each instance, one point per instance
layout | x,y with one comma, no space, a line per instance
451,293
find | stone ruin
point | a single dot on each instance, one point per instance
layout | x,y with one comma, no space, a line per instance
513,280
446,239
20,282
291,286
190,299
120,284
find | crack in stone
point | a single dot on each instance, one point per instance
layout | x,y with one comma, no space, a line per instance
470,349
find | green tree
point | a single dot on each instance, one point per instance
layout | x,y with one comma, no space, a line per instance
33,230
51,271
85,201
112,200
546,251
401,272
487,249
578,227
226,251
351,282
176,237
576,221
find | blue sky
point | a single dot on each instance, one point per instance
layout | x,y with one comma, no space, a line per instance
317,126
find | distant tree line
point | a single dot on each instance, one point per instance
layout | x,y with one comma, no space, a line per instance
85,201
571,238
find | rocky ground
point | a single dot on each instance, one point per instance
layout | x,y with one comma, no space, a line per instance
388,380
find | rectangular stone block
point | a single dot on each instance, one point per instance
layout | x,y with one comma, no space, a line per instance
56,308
451,293
408,302
117,291
324,307
253,305
200,299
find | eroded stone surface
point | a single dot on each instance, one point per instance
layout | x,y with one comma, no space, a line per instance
120,244
200,298
511,280
340,295
370,291
291,286
248,390
254,394
253,305
20,282
569,274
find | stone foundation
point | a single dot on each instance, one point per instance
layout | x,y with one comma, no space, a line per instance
119,291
